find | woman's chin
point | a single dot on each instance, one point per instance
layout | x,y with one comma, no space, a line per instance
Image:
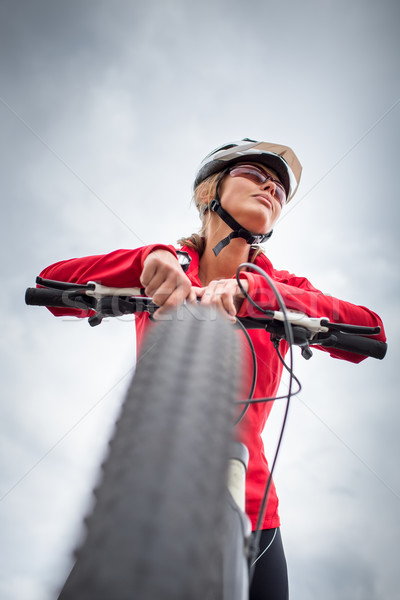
258,222
259,227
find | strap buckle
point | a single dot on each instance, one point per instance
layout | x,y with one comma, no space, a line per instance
214,204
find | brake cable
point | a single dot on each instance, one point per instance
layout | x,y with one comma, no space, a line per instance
254,545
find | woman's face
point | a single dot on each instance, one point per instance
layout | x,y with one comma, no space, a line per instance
252,204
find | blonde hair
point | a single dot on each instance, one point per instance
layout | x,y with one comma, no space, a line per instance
203,194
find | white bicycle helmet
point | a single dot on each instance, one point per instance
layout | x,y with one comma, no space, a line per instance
278,158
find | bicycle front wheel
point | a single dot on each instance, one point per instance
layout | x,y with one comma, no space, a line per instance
156,531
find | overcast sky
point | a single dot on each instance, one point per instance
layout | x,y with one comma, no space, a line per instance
106,109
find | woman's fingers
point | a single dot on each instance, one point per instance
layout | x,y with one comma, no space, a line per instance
192,298
223,293
198,291
164,280
168,301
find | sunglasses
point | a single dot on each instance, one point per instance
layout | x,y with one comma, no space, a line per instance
260,177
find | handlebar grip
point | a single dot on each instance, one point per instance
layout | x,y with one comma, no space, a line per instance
357,344
54,298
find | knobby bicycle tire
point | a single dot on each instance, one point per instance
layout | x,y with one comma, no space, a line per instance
156,531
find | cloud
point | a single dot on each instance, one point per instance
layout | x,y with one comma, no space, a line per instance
105,115
339,574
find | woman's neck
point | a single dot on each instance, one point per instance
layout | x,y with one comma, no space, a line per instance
224,265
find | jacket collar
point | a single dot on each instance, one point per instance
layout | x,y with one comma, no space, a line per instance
193,270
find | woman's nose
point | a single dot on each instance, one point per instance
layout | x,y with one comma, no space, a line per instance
270,186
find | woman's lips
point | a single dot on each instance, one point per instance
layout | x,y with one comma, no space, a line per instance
265,198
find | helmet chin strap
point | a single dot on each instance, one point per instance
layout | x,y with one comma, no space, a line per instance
238,230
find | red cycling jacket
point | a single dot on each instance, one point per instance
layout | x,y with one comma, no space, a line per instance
123,268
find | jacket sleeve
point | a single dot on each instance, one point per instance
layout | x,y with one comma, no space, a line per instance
121,268
299,295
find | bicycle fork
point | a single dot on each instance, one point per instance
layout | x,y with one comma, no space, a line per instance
238,528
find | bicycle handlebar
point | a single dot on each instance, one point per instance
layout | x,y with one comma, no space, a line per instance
57,298
307,331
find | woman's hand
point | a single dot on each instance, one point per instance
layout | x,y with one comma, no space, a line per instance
225,294
164,280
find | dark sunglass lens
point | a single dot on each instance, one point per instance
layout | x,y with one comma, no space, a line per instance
249,172
259,177
280,195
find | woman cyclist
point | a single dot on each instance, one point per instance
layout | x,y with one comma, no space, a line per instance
239,191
